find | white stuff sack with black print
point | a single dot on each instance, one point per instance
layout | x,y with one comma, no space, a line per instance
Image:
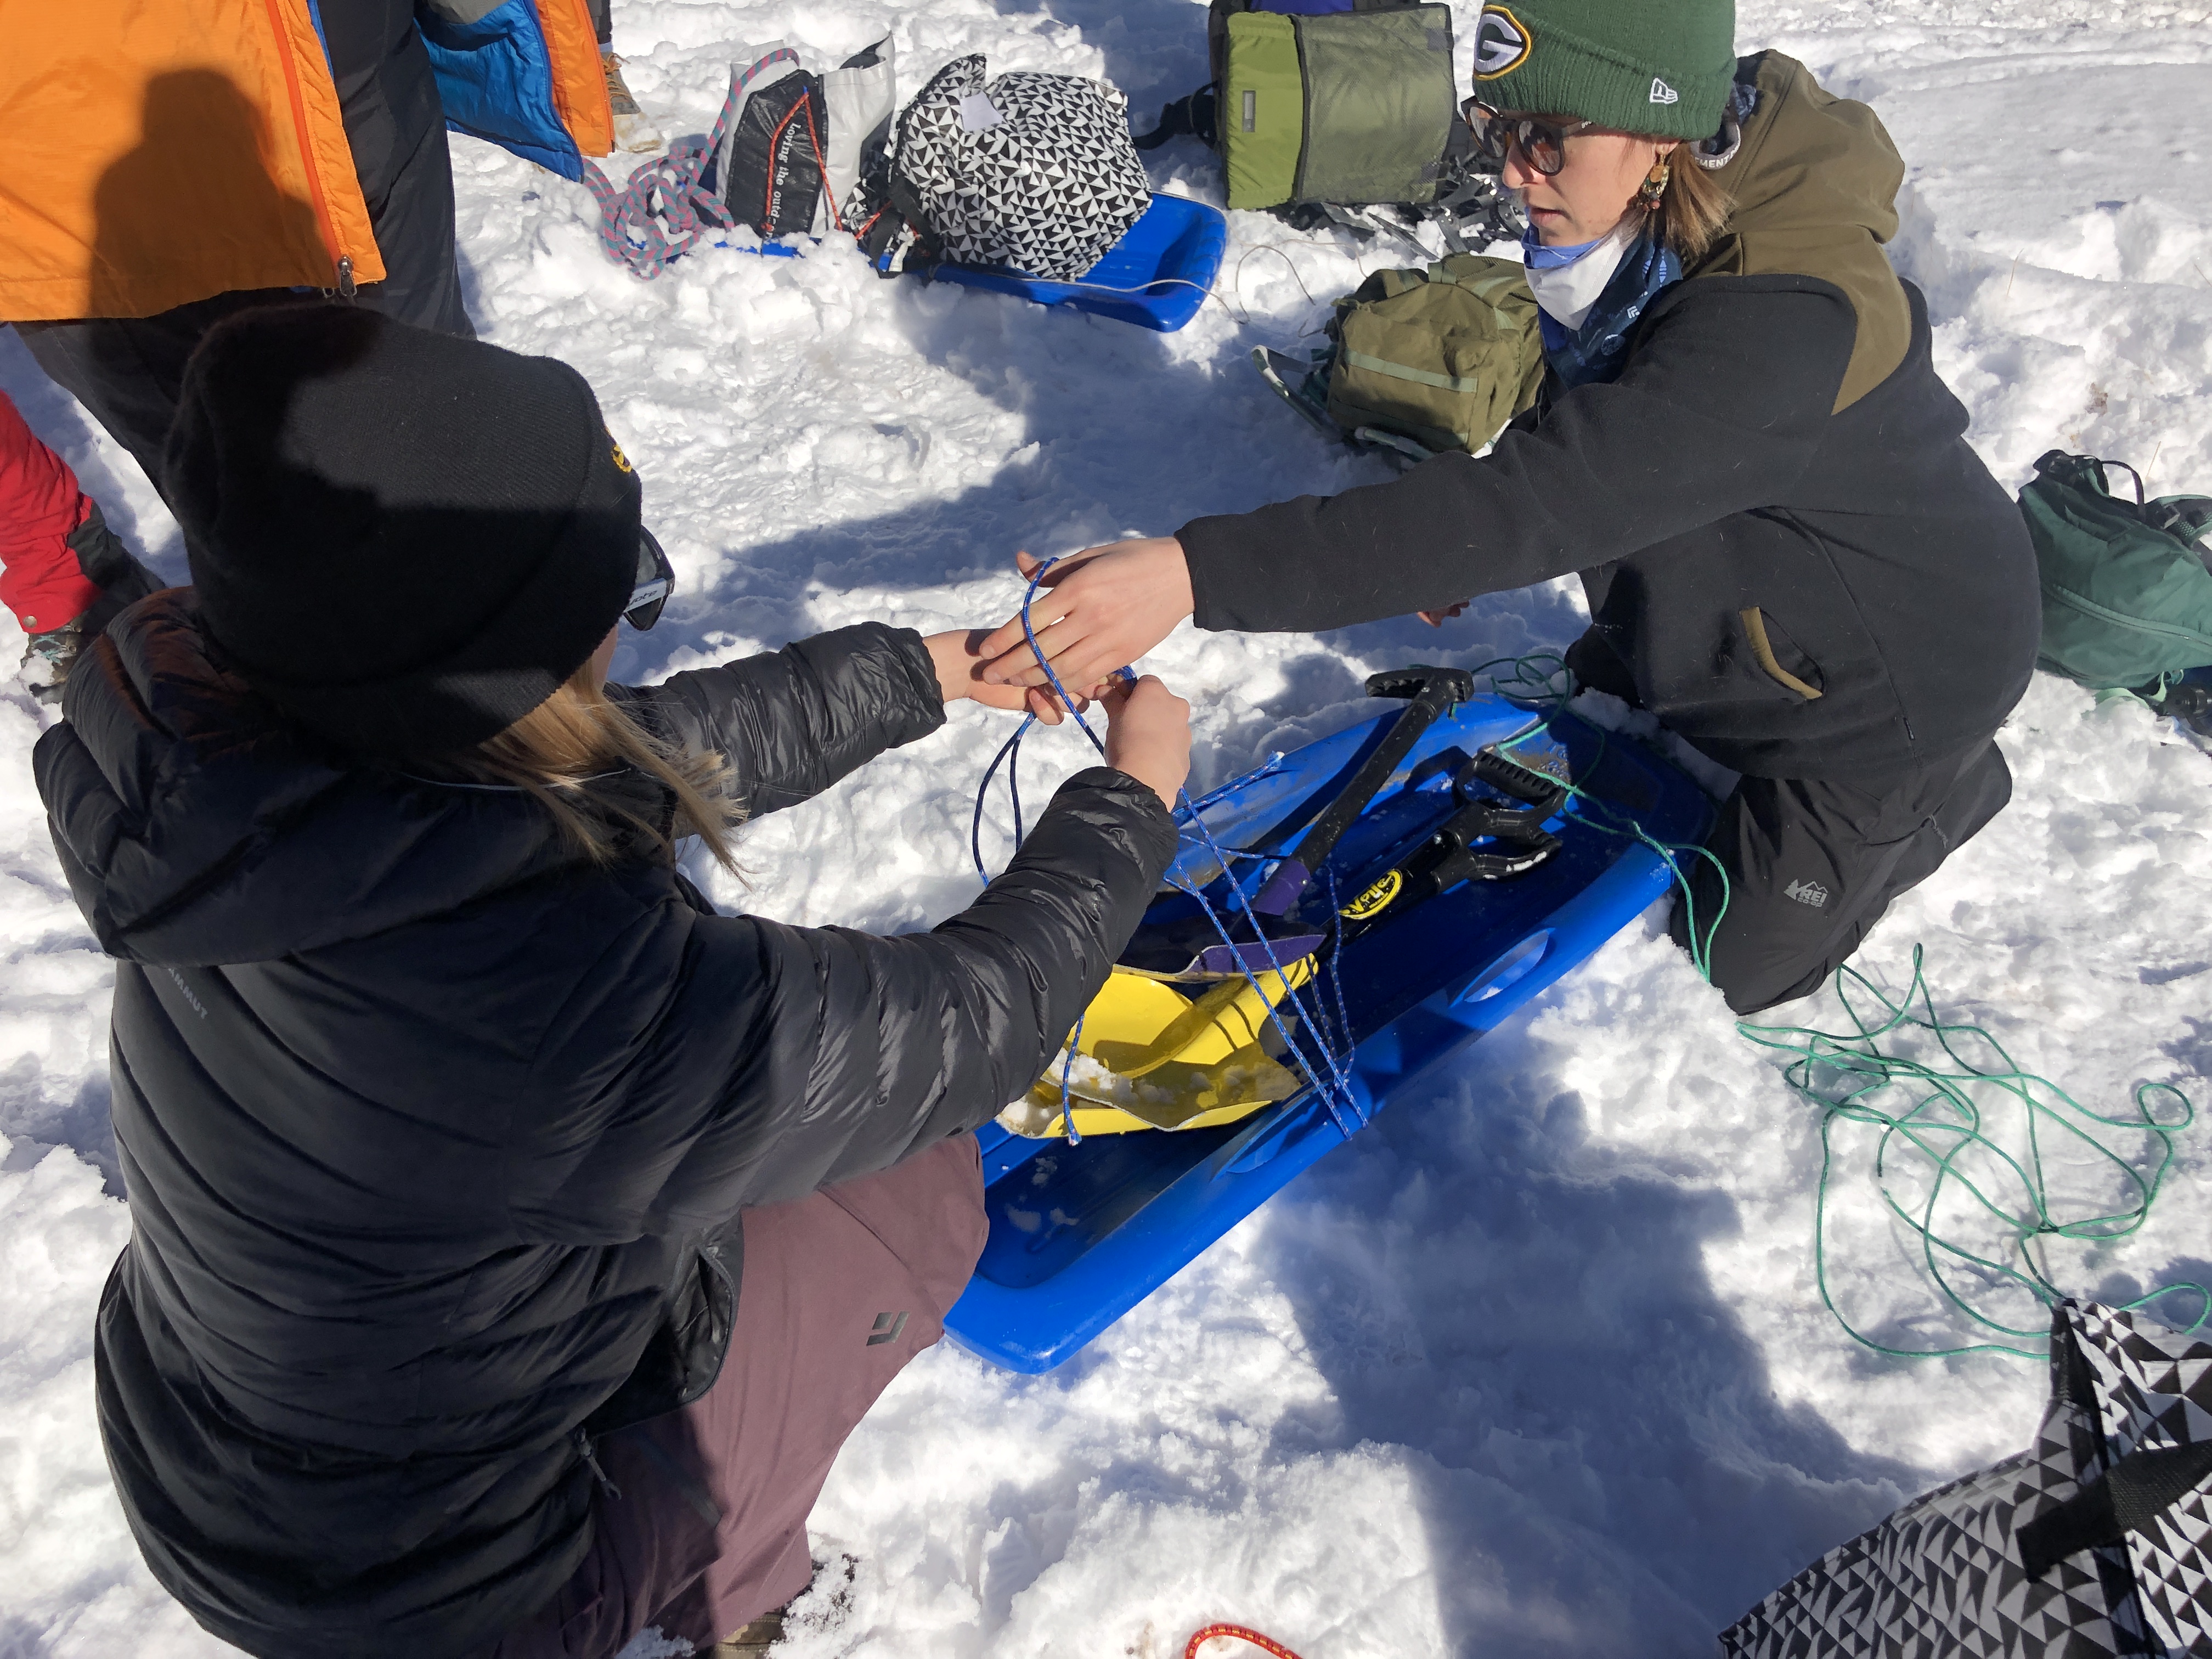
1035,173
2096,1542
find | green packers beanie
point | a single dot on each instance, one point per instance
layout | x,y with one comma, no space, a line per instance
1661,67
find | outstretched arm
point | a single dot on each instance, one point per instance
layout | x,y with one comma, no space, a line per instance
769,1060
794,721
1719,413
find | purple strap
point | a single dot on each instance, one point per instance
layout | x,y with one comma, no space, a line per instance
666,211
1267,956
1282,888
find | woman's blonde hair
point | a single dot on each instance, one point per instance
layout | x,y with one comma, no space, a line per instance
1695,209
578,737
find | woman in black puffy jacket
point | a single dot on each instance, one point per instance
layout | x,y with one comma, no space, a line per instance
515,1238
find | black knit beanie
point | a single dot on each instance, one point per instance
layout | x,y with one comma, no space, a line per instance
405,540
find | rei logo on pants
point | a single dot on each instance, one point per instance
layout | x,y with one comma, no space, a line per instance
1807,892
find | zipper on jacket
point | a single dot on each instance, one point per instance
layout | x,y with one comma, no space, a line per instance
584,1446
320,204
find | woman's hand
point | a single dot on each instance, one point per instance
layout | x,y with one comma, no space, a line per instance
1438,618
1148,735
1097,610
959,665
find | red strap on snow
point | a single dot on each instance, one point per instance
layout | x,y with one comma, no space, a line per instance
1265,1643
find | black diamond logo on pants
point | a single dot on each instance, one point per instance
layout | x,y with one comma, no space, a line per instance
888,1326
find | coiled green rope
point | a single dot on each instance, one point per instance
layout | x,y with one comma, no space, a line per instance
1939,1132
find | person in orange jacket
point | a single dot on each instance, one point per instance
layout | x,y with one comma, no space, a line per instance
172,165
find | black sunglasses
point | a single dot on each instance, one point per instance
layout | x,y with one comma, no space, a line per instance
656,580
1544,142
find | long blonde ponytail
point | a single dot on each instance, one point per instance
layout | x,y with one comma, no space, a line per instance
576,737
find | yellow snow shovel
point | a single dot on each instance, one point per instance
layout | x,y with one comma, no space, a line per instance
1152,1055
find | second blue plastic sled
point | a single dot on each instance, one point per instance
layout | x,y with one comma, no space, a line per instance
1156,276
1080,1235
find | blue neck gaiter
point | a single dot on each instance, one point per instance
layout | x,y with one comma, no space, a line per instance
1595,351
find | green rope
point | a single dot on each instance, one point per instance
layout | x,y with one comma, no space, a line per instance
1843,1074
1940,1121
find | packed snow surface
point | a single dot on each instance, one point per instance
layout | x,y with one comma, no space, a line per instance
1537,1366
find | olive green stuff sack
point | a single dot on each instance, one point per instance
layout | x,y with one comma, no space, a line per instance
1352,107
1446,356
2127,596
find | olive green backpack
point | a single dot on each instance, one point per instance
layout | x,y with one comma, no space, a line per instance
1422,362
2127,595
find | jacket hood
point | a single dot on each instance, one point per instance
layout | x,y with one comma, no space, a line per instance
1816,182
197,828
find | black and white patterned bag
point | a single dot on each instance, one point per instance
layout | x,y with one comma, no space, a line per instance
2098,1542
1035,173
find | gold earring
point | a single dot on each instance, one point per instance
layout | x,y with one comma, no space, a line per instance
1655,186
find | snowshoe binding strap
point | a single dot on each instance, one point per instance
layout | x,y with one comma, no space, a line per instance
1428,692
1487,839
1194,115
1191,945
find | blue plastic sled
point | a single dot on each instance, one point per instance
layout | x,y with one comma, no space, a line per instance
1080,1235
1156,276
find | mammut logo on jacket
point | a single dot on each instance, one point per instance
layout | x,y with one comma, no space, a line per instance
1663,93
1501,44
198,1007
888,1326
1807,892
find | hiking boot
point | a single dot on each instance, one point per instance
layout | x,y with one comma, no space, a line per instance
48,657
632,131
2188,699
754,1640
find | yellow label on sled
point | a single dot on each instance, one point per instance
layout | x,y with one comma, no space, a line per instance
1377,899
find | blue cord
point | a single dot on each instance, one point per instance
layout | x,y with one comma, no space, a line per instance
1338,1086
1006,751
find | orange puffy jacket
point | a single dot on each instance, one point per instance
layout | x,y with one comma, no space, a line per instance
161,151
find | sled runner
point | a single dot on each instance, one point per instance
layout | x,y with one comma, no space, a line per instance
1445,881
1156,276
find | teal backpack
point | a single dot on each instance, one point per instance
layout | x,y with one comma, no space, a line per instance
2127,593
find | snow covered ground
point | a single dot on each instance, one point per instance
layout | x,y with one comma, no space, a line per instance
1537,1366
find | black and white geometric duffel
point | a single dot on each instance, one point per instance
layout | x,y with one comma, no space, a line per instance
1035,173
2098,1542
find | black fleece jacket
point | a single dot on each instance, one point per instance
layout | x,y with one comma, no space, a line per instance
434,1133
1798,593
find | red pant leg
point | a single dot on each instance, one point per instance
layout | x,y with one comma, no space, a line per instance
40,505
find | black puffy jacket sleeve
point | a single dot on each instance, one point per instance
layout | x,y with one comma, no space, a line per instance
769,1060
766,1060
1719,412
794,721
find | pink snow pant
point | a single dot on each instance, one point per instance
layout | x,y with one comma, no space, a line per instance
840,1290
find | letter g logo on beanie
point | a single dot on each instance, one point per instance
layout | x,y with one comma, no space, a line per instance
1656,67
1501,44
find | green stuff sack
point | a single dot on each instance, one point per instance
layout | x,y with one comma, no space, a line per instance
1445,356
2127,596
1345,105
1353,108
